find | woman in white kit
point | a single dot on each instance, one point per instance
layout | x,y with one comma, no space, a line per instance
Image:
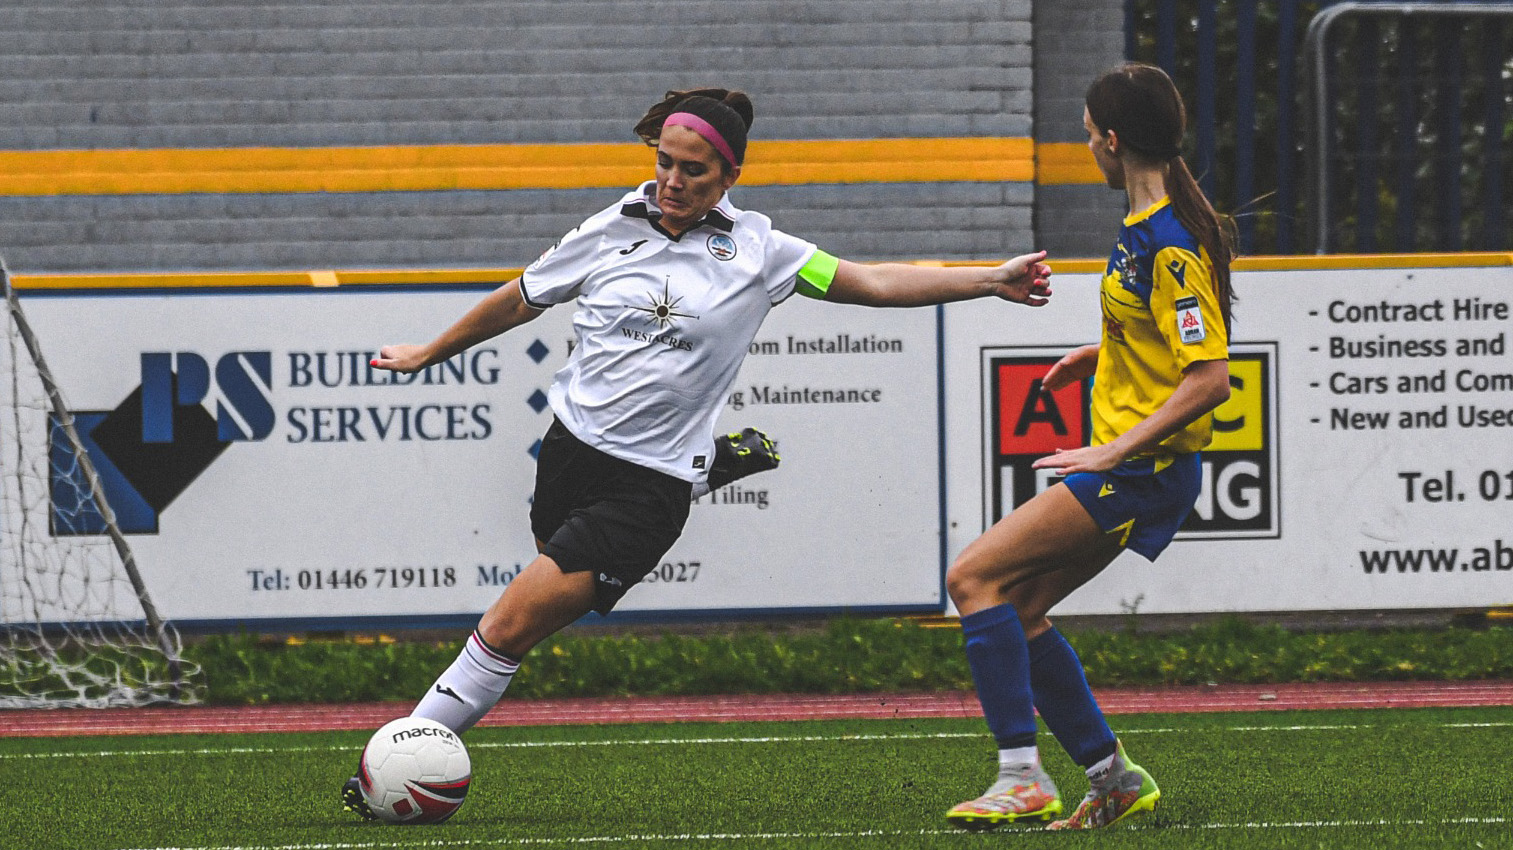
671,283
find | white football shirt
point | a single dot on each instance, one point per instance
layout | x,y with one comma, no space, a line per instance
662,324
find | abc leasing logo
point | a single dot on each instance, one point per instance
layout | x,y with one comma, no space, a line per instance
1239,496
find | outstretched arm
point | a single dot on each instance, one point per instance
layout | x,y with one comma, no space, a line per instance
500,310
1024,279
1079,364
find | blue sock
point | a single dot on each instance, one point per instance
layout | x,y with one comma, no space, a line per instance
1000,662
1065,702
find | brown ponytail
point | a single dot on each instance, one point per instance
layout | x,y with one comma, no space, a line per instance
1143,107
1213,231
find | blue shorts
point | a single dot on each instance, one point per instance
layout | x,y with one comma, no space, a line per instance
1149,503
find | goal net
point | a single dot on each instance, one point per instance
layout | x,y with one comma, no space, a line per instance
77,626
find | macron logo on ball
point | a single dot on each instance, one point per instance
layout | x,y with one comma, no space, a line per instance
423,732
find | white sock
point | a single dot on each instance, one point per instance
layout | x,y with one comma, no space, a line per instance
468,688
1017,756
1102,768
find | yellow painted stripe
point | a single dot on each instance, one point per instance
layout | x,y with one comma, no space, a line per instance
1066,164
1311,262
452,167
255,279
353,277
1375,261
164,280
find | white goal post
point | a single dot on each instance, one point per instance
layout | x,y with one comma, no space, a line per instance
77,625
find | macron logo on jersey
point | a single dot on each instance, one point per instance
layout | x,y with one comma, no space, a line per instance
1178,268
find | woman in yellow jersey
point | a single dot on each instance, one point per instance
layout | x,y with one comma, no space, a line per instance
1158,373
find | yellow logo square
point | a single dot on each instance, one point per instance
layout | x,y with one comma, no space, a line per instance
1239,423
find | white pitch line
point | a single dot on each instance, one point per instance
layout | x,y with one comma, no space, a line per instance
589,839
496,745
792,836
1342,824
662,742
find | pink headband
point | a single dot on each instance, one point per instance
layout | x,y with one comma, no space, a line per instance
703,128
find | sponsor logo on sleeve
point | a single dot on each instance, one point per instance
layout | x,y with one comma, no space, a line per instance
1190,320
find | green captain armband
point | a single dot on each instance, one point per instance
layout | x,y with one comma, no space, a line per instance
817,275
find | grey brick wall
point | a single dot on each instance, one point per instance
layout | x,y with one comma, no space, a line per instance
217,73
1075,41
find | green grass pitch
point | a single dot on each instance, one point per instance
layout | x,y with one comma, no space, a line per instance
1335,779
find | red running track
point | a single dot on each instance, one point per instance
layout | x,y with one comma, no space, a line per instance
551,712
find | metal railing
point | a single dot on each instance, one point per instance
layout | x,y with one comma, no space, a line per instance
1445,131
1344,126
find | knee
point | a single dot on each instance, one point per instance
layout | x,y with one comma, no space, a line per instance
968,585
510,635
974,584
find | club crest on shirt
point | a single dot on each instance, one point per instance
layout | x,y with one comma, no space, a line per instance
1124,268
721,247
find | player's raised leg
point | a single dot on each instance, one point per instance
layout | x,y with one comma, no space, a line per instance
737,455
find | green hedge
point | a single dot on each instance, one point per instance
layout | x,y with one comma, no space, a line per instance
845,656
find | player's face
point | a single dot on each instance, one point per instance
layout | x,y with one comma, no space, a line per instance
691,178
1108,161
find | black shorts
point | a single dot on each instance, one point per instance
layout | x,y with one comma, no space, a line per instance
600,514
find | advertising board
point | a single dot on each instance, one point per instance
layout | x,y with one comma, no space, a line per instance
266,475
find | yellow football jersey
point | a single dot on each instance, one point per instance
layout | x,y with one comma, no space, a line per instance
1160,315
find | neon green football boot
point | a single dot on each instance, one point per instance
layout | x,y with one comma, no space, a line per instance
1125,790
1022,792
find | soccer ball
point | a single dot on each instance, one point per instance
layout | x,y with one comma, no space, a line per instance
414,771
